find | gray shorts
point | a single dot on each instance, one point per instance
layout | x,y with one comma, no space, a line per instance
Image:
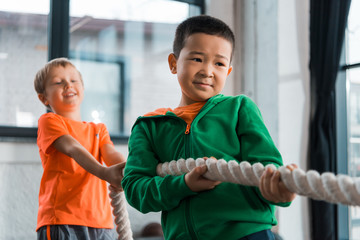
74,232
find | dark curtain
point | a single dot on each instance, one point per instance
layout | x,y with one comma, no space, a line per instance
328,19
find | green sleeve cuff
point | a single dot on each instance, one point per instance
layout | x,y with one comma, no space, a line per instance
182,189
281,204
285,204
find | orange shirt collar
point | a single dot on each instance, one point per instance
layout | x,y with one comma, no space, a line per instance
187,113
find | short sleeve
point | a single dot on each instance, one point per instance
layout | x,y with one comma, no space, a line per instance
50,128
104,135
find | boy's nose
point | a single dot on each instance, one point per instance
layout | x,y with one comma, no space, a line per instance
207,71
68,84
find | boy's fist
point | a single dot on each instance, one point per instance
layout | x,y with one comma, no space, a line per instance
197,182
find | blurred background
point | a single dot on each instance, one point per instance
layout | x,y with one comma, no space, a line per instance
121,49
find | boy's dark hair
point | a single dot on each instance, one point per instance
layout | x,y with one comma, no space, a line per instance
201,24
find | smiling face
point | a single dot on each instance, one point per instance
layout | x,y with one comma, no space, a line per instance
64,91
201,67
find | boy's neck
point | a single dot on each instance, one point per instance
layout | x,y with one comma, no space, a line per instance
184,103
76,116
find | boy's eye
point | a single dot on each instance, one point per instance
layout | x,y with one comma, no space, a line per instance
219,64
196,59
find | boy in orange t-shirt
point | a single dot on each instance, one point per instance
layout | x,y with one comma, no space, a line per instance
73,198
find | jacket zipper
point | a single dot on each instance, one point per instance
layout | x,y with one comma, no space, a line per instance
189,220
187,130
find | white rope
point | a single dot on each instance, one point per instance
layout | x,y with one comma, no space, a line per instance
327,187
122,222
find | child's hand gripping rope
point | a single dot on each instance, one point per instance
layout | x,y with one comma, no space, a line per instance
273,188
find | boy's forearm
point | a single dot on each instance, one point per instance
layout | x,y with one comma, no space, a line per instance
146,193
115,158
72,148
110,155
88,162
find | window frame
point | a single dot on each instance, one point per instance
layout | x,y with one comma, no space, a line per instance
341,140
342,132
58,42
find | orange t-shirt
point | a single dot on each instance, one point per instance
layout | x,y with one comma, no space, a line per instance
187,113
69,195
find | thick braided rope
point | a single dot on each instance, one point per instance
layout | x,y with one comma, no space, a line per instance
122,222
327,187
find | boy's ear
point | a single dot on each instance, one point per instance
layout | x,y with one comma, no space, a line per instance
172,63
42,98
229,70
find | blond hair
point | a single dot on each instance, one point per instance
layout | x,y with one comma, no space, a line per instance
42,75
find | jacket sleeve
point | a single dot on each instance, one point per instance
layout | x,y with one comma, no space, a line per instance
255,140
144,190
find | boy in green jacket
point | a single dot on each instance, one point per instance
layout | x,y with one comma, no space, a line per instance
205,124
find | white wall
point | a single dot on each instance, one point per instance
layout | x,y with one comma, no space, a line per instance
293,37
20,173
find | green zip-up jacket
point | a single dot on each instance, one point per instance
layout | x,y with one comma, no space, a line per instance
227,127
